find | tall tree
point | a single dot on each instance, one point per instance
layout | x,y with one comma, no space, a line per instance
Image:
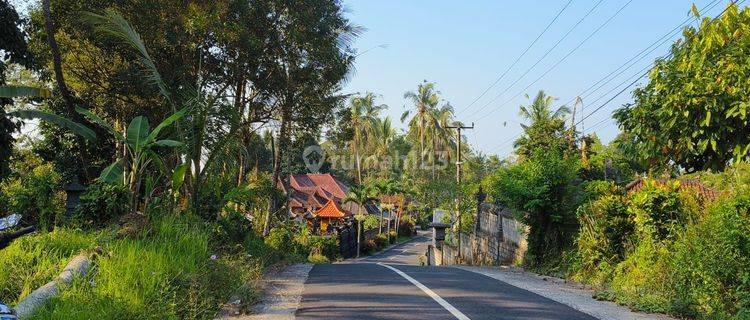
421,125
13,49
363,114
546,127
694,111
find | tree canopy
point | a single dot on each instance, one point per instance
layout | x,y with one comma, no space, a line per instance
694,110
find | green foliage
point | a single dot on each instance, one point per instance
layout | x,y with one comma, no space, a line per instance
317,258
381,241
663,249
33,260
166,273
36,193
324,246
101,204
406,226
700,90
547,128
543,193
368,246
711,262
280,239
371,222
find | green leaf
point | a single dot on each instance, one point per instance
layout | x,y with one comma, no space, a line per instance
167,122
113,173
24,91
168,143
101,122
76,127
138,132
178,176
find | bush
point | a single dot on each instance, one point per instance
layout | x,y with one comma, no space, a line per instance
317,258
371,222
392,235
326,246
101,204
280,239
711,263
604,239
406,226
368,246
37,195
381,241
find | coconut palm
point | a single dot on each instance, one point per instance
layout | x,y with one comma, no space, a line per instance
545,126
358,195
380,143
424,100
363,112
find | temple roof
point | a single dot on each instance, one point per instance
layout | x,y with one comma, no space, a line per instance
330,210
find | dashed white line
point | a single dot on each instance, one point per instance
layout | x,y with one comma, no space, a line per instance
455,312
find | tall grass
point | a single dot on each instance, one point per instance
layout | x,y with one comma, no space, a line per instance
33,260
165,273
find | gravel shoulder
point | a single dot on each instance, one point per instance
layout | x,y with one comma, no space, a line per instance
574,295
282,293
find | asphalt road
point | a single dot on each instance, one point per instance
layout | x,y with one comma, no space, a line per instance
392,285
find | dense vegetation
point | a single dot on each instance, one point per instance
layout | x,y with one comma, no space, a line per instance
181,120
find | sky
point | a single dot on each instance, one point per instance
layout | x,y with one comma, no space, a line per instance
465,46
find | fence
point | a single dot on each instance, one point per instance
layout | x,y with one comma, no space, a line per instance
348,240
497,239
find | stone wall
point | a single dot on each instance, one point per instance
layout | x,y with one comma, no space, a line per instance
498,239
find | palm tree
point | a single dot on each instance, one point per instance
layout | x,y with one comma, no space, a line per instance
442,137
545,125
424,100
382,136
358,195
363,113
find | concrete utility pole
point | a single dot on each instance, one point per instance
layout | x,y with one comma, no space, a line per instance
458,128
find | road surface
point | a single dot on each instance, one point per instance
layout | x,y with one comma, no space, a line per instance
392,285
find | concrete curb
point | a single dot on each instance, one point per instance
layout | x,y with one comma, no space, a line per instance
573,295
79,265
282,294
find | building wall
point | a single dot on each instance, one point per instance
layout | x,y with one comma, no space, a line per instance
499,240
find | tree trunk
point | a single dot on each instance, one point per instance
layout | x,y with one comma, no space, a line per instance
278,153
70,104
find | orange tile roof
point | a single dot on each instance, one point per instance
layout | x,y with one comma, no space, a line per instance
330,210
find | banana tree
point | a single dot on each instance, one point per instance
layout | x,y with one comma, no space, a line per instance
140,143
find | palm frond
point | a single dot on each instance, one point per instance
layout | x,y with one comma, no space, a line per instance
76,127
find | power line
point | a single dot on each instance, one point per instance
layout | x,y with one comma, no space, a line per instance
625,66
734,3
519,57
545,54
606,22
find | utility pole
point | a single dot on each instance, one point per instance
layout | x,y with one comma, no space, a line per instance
458,128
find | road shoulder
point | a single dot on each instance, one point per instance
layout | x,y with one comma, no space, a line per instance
569,294
282,293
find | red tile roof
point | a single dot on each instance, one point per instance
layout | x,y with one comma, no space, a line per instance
693,184
330,210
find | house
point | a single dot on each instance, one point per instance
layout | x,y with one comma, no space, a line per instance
318,199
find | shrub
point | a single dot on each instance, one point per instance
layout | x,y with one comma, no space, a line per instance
371,222
381,241
280,239
317,258
543,192
326,246
101,204
392,235
604,238
406,226
368,246
37,195
711,263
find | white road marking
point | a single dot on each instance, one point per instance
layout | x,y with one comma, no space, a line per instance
455,312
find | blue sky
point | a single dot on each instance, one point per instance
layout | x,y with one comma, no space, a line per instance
465,46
